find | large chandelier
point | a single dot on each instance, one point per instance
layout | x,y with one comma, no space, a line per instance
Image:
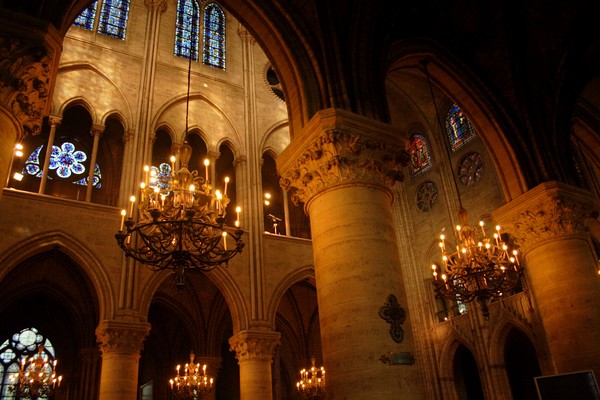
481,268
311,385
181,219
190,382
36,377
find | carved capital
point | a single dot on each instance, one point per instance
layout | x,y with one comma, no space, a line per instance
121,337
341,148
54,120
240,161
97,130
255,345
26,71
550,211
156,5
130,134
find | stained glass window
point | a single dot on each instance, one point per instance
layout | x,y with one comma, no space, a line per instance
113,18
427,195
161,177
187,29
214,36
66,162
12,351
420,156
85,20
458,128
470,168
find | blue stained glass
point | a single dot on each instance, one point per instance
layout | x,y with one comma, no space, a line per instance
458,128
65,160
187,28
33,161
214,36
163,177
32,169
85,20
96,180
113,18
420,156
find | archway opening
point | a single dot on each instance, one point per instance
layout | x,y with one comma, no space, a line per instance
466,375
521,365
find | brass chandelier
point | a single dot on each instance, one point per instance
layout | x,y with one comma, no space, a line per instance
36,377
191,381
479,267
311,385
181,217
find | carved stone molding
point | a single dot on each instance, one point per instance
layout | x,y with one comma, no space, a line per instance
255,345
121,337
25,80
550,211
156,5
341,156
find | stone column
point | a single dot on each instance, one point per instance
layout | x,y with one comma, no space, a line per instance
96,132
120,344
549,223
343,166
54,121
254,351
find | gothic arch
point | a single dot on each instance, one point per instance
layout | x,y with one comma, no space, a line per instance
304,272
78,252
172,110
81,102
220,276
488,119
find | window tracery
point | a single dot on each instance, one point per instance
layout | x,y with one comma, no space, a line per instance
214,36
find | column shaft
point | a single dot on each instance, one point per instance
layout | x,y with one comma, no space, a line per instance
254,351
121,344
343,166
550,224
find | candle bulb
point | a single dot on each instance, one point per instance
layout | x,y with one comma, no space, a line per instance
132,200
482,230
225,189
225,241
206,163
173,163
123,214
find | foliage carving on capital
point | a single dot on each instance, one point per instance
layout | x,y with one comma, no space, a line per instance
25,80
255,345
554,218
340,156
121,337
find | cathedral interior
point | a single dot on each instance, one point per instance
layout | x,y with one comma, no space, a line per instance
346,136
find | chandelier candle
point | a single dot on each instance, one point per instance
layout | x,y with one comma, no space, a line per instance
180,221
480,269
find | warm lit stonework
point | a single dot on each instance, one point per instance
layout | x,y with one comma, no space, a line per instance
350,136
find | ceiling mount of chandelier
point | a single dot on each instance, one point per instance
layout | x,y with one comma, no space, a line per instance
481,268
181,221
191,381
311,385
36,377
